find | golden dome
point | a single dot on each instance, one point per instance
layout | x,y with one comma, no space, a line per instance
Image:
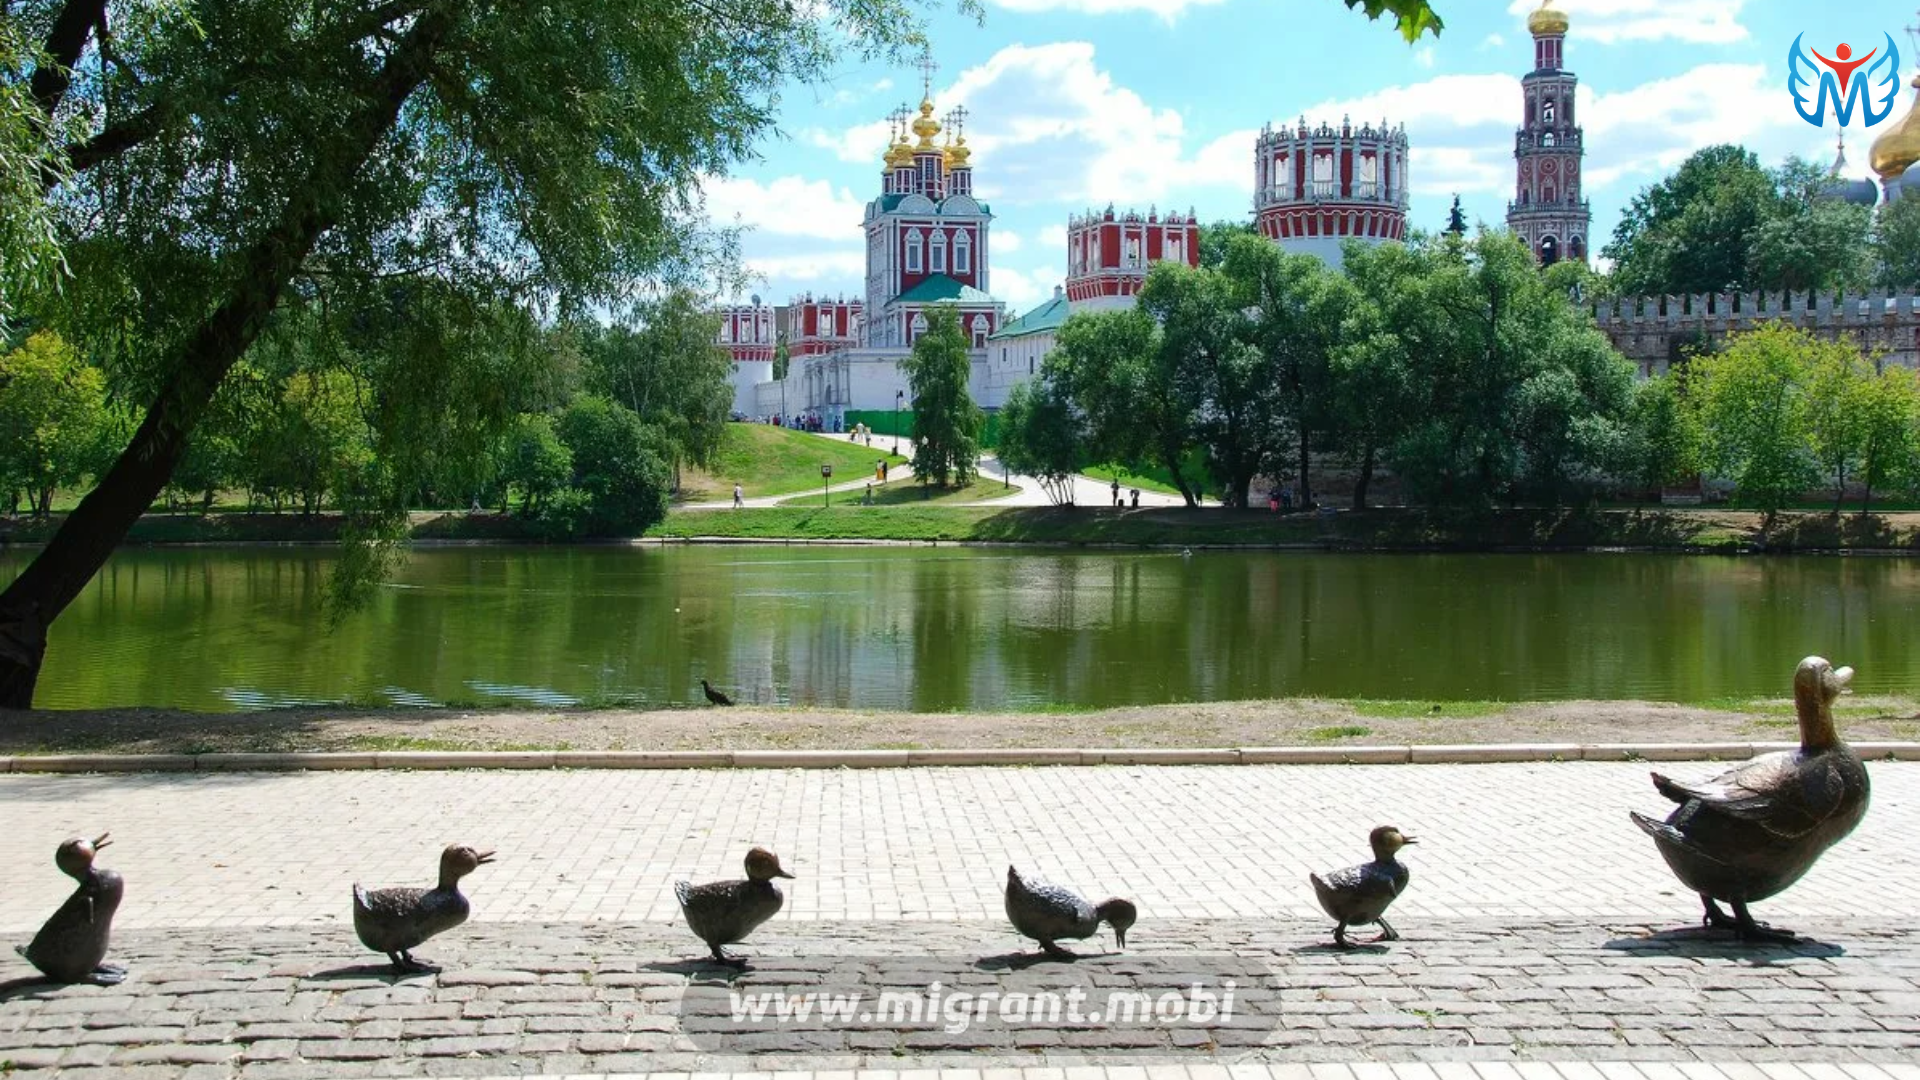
925,125
1546,21
1899,148
899,155
957,154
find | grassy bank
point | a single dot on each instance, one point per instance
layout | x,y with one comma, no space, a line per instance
1285,722
909,518
766,460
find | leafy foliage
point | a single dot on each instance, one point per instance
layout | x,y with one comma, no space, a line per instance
1043,437
946,422
1896,244
1753,405
53,420
619,482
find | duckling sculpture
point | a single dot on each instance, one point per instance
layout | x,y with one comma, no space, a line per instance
724,912
1049,913
396,921
1361,894
1750,832
72,946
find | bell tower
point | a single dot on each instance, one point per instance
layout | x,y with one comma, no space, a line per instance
1547,210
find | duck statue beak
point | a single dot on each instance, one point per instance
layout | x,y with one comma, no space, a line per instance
1119,938
102,841
1409,839
1844,678
783,873
484,858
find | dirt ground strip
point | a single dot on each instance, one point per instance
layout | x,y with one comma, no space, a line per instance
1245,723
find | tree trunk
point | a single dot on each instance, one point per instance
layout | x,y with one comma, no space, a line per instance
1366,478
1306,458
1172,462
88,536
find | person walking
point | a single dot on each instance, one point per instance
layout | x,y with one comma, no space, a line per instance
738,502
1136,498
1116,492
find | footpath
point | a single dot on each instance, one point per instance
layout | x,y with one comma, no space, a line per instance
1542,937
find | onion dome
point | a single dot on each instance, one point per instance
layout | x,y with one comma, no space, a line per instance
899,155
1546,21
958,153
926,126
1899,148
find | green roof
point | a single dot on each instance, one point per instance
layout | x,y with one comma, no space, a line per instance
1046,317
940,287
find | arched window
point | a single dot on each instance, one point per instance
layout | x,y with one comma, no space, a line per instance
1549,251
1547,139
1175,247
1369,176
913,251
979,331
1323,174
1577,248
918,327
1029,364
726,331
1133,251
962,253
1546,194
938,263
1546,112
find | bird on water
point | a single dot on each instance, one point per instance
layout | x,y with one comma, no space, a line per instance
1050,913
72,946
396,921
1361,894
723,913
714,697
1752,831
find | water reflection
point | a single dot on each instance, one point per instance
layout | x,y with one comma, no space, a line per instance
968,629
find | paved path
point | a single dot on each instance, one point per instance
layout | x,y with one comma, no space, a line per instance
1528,930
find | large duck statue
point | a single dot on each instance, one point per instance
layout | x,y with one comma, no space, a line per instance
397,921
72,946
1752,831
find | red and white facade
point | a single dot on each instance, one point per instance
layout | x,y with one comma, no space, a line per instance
1548,211
816,327
1315,188
746,332
1108,254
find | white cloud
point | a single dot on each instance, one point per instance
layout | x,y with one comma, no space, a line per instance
1700,22
1168,10
1424,56
788,206
1023,289
1054,238
1459,129
1648,129
1006,242
840,266
1493,41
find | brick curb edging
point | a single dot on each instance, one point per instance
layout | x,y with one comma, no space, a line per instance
884,759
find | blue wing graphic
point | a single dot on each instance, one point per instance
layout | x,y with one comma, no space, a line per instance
1799,66
1884,75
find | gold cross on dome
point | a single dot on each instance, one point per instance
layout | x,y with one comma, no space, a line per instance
957,119
927,68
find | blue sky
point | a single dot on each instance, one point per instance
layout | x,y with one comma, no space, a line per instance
1078,103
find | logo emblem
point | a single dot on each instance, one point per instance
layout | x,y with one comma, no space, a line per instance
1870,82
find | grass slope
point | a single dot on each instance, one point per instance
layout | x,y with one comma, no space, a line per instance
910,492
767,460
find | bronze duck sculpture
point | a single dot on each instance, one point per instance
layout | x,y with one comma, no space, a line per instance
1752,831
72,946
396,921
1361,894
1050,913
723,913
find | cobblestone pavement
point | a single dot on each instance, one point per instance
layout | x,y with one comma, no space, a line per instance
1528,930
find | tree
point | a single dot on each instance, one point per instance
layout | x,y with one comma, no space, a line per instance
1114,368
670,370
1373,376
1215,237
1834,381
1693,231
239,163
53,411
1811,242
946,422
1663,445
619,482
1041,436
1753,412
1889,415
537,462
1896,244
1206,343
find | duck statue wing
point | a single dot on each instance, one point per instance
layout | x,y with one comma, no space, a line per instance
1784,794
1044,911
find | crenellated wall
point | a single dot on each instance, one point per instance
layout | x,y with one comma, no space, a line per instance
1653,331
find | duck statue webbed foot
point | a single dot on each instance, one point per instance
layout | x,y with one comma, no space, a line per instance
723,913
1742,922
1360,894
109,975
1752,831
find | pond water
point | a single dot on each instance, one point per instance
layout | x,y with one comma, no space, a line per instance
970,629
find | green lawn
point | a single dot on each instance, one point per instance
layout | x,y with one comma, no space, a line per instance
1158,479
767,460
911,492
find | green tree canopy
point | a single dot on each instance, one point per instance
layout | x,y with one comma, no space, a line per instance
1043,437
53,417
1753,409
1896,244
1114,368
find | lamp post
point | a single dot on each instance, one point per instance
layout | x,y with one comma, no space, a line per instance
898,397
826,485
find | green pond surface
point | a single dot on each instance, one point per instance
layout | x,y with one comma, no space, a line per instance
947,629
